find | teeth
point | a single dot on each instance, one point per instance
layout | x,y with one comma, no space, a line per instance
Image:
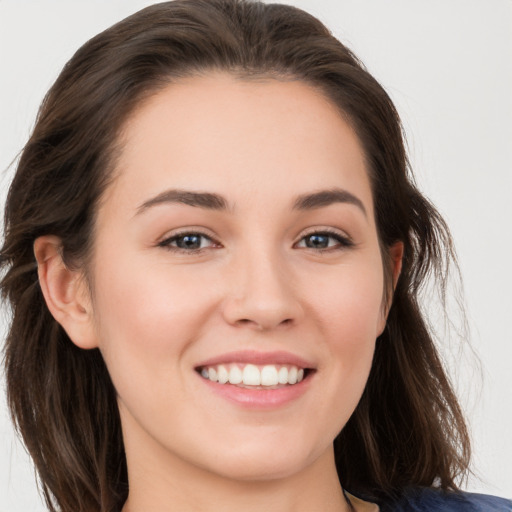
292,375
269,376
235,375
222,374
252,375
212,374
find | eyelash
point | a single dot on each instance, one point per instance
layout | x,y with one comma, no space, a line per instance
342,242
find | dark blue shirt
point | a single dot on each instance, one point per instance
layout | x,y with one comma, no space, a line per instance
434,500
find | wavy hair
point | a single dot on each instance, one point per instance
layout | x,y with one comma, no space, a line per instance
408,428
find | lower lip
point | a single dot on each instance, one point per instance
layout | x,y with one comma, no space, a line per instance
259,398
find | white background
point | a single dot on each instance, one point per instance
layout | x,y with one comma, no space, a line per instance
448,66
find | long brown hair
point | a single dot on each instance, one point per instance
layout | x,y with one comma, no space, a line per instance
408,428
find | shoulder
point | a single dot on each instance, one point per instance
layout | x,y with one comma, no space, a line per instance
428,499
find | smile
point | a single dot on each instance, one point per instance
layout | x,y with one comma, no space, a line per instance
246,374
257,380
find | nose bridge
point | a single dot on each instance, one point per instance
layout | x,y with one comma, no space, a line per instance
261,291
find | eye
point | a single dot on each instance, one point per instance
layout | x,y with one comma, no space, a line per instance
187,242
322,240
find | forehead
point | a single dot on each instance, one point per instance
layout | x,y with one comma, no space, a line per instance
217,131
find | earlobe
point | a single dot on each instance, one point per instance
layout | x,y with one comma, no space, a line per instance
65,292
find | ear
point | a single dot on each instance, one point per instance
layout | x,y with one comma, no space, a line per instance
396,254
65,292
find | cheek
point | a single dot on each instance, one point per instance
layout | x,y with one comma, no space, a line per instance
349,305
146,317
149,318
350,316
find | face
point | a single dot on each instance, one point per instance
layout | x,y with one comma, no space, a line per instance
238,281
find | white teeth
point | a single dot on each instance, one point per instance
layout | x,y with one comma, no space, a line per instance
292,375
269,376
212,374
252,375
283,375
222,374
235,375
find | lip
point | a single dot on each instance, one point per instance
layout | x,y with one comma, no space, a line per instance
258,358
259,398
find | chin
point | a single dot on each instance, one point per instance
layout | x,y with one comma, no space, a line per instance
263,462
255,469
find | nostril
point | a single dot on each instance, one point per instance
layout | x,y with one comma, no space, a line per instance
262,325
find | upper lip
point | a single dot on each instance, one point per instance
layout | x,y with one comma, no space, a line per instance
258,358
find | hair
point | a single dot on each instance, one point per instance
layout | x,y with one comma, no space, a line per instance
407,429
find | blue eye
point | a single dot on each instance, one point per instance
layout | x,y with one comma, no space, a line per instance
324,240
188,242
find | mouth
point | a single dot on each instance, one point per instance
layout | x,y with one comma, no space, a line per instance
255,376
257,380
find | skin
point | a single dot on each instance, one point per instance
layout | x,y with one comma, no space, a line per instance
256,284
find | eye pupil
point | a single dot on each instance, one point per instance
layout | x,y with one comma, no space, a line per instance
317,241
189,242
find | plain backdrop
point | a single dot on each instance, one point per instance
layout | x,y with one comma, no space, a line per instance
447,64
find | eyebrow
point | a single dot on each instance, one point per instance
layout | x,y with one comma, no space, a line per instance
327,197
205,200
211,201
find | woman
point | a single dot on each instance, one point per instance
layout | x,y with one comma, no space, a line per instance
213,252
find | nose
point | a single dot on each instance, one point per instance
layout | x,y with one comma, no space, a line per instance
261,294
